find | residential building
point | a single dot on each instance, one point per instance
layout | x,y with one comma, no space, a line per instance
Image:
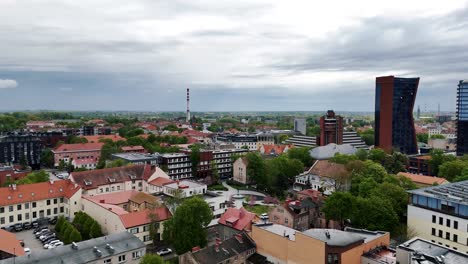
440,214
268,138
236,249
223,161
82,155
39,125
446,144
240,170
419,250
30,202
185,187
9,245
235,221
325,176
274,150
17,147
462,118
297,214
250,142
394,122
133,149
424,180
420,164
281,244
300,125
138,158
331,129
179,165
120,247
9,174
117,179
329,151
127,211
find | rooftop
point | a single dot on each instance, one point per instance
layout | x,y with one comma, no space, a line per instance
329,151
239,219
78,147
9,243
455,192
424,179
132,148
184,184
135,156
96,139
85,253
226,250
432,253
279,230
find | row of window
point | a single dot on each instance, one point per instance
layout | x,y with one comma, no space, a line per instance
440,234
26,206
448,222
19,217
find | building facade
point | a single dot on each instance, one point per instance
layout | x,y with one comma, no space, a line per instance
17,148
331,129
462,118
179,165
240,171
440,214
300,126
83,155
394,122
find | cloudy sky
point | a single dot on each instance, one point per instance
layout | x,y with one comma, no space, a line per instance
234,55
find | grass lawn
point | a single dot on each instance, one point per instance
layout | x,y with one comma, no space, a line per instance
217,187
257,209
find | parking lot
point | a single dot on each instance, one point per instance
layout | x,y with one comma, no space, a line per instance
30,241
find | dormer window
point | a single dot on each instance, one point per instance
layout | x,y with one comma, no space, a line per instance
88,182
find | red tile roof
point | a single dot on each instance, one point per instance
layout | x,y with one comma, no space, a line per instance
195,133
141,217
95,139
275,149
37,191
325,168
160,181
96,178
112,198
78,147
239,219
10,244
423,179
314,194
132,148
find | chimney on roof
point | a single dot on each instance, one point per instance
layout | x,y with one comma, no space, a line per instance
327,234
51,181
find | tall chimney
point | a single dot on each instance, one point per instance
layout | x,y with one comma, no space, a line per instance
188,106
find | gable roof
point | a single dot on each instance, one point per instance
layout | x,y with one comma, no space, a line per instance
93,179
275,149
239,219
423,179
37,191
9,244
325,168
141,217
78,147
95,139
160,181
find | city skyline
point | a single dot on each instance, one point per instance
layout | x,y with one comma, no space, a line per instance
242,56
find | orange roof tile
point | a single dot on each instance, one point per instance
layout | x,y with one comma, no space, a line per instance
78,147
37,191
239,219
10,244
160,181
95,139
424,179
141,217
325,168
112,198
132,148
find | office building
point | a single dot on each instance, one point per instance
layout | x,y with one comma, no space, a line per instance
17,147
300,125
331,129
462,118
394,122
179,165
440,214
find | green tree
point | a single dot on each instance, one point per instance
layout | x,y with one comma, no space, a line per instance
368,139
74,236
377,155
65,236
154,226
186,228
256,169
60,223
374,213
437,136
339,206
452,169
47,158
34,177
362,154
151,259
95,230
343,158
396,195
117,163
86,227
195,158
437,159
301,154
422,137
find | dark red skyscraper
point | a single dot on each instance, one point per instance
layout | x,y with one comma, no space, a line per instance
394,123
331,129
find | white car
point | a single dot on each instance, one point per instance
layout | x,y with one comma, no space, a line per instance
50,243
27,250
164,251
264,216
56,244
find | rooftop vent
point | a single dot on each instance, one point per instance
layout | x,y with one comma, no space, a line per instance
327,234
111,179
95,249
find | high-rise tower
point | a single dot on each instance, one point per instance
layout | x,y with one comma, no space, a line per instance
462,118
394,123
188,106
331,129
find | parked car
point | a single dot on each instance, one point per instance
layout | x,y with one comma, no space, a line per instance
53,221
27,226
264,216
42,232
35,224
164,251
57,244
10,228
18,227
47,237
27,250
39,229
51,242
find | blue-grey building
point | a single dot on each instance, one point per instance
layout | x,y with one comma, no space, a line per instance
462,118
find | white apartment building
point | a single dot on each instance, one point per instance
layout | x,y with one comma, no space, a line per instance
27,203
440,214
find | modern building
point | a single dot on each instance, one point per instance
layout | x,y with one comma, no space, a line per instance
462,118
329,151
420,164
281,244
237,249
113,179
223,161
31,202
349,137
300,126
331,129
394,122
179,165
352,138
185,187
239,141
127,211
15,148
138,158
440,214
419,250
302,141
82,155
121,247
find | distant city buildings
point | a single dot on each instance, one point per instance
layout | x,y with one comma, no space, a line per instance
462,118
300,125
331,129
394,123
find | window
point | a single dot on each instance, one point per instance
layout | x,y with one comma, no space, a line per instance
55,210
134,230
61,209
19,217
146,228
2,210
441,221
434,219
26,216
2,220
61,200
121,258
107,261
455,224
26,206
34,214
455,238
48,211
34,204
10,208
55,201
136,254
448,222
11,219
48,202
440,233
18,207
447,235
146,238
433,231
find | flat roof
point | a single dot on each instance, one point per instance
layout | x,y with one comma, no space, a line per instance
333,237
455,192
135,156
190,184
431,252
279,230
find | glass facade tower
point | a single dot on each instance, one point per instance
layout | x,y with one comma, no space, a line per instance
462,118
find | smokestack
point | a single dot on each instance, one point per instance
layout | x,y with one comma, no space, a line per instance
188,106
